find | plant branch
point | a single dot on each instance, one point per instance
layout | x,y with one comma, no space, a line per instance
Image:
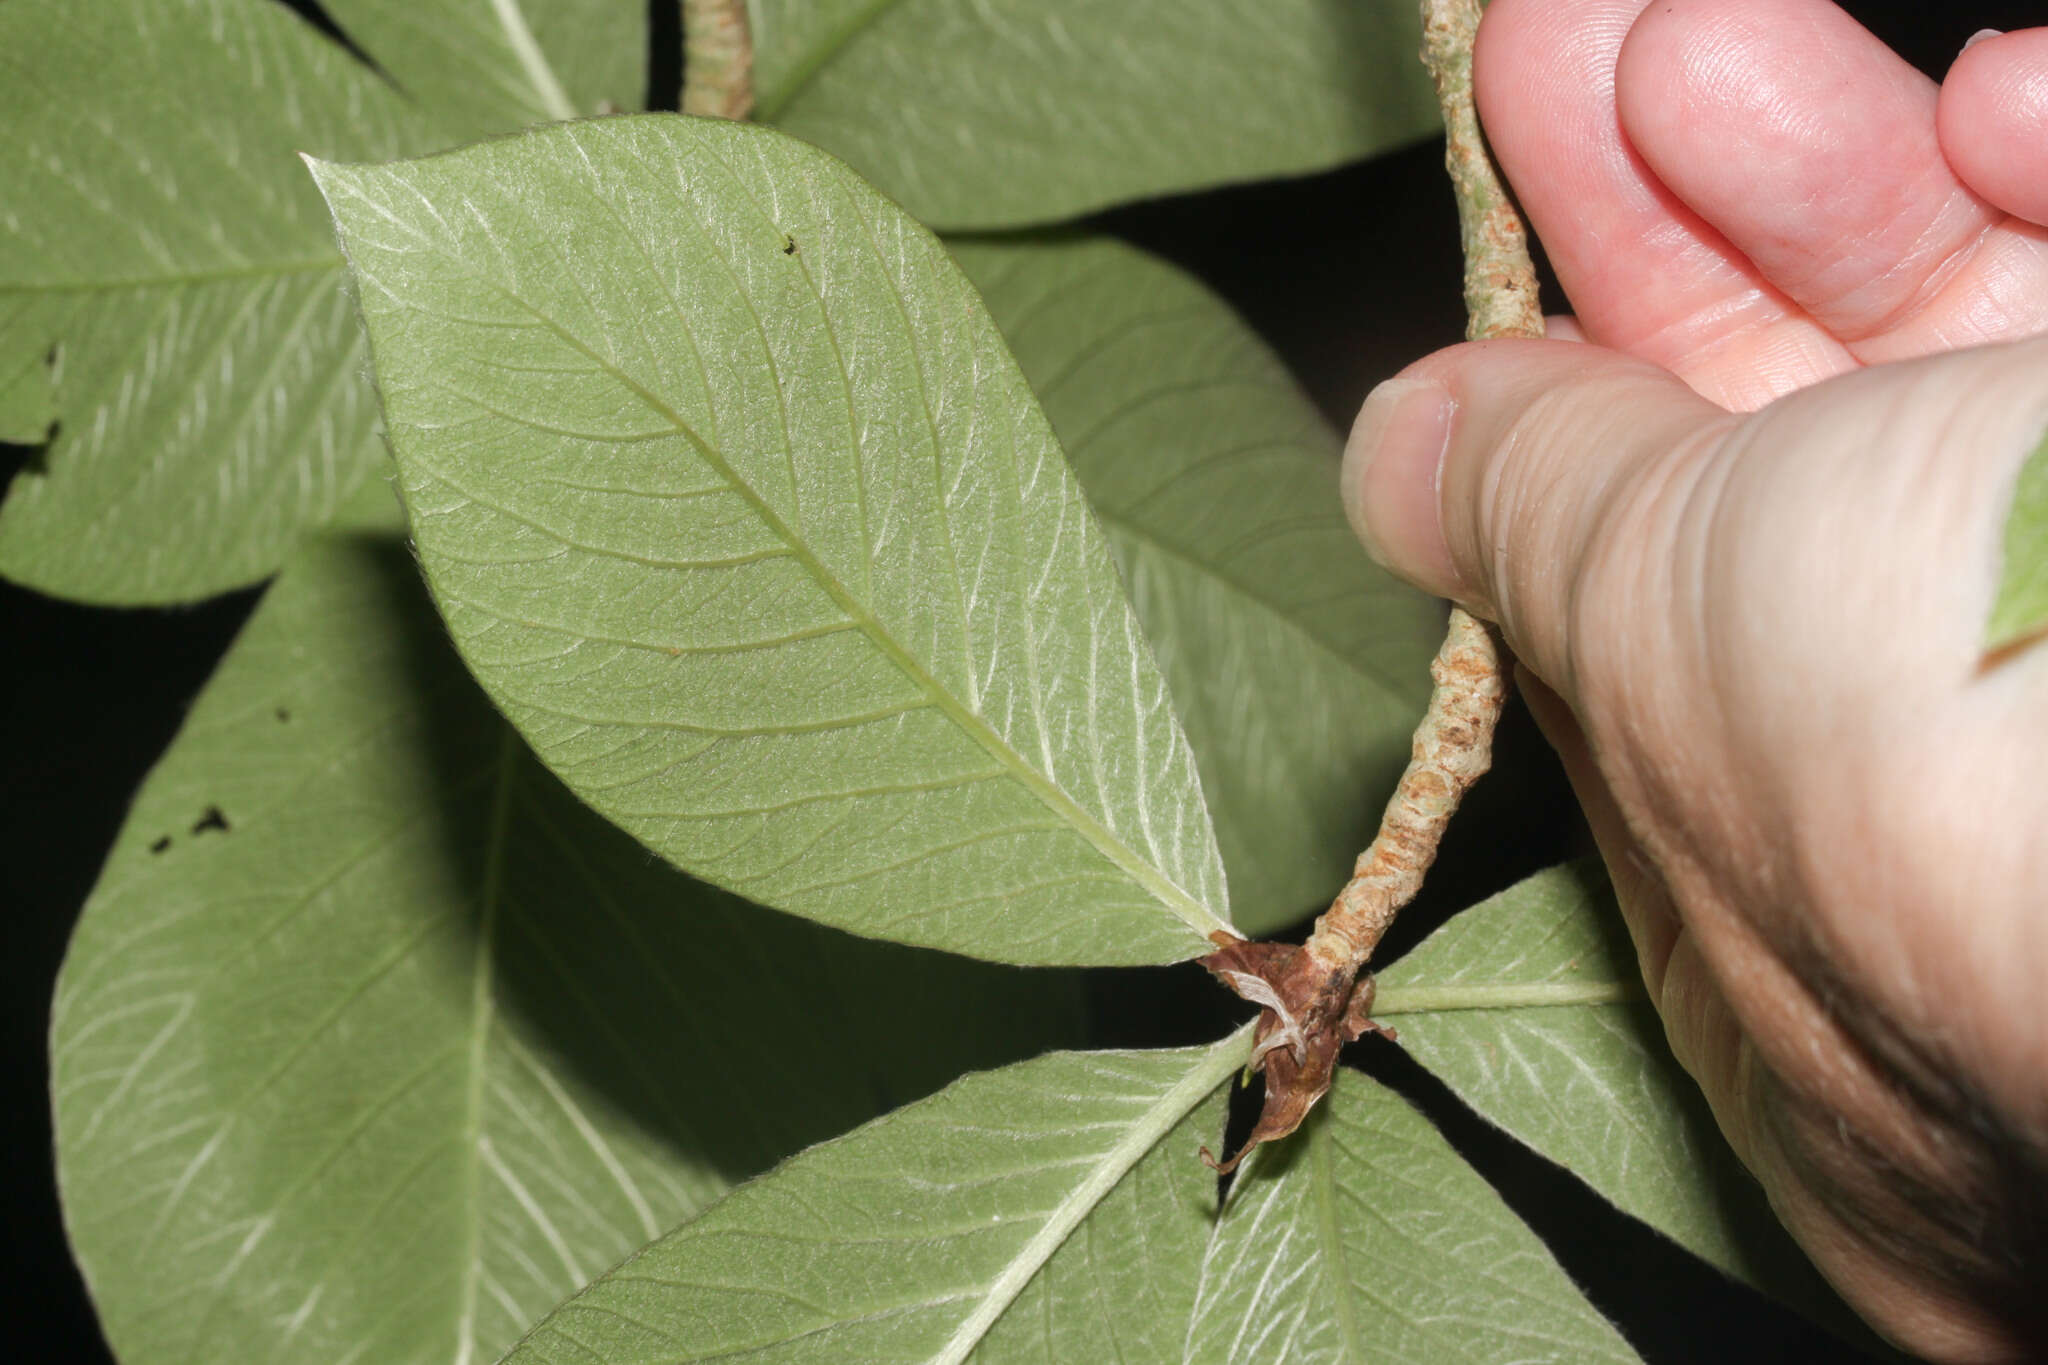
1314,997
718,59
1453,749
1500,280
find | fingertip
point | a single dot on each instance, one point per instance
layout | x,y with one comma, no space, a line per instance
1393,465
1992,120
1502,507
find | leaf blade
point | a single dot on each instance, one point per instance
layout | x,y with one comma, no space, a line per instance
1425,1264
1021,112
2021,608
891,1287
1297,666
892,658
422,975
182,275
1539,1070
484,66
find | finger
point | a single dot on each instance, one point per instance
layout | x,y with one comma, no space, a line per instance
1563,327
1811,148
1483,473
1992,118
1644,272
1598,508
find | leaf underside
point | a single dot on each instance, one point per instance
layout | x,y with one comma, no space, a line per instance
1588,1080
911,1238
173,320
2022,606
1055,1211
1367,1237
1007,113
479,67
737,505
374,1042
1297,666
169,321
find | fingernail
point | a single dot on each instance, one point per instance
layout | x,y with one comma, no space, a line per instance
1983,35
1393,465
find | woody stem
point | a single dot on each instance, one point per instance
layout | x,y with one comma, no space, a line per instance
1454,742
718,59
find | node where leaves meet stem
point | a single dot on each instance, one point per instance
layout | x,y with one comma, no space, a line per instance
718,59
1313,996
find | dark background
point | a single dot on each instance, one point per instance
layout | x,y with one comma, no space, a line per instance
1349,275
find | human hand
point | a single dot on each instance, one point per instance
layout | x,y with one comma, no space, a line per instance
1756,640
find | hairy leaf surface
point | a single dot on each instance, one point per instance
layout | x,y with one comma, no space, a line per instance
736,503
374,1043
1012,1211
172,315
1365,1238
1529,1005
2022,606
1297,665
1012,112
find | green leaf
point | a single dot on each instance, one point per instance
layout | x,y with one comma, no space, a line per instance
1366,1237
1298,666
1529,1005
485,66
1020,1200
374,1043
1011,112
2022,606
27,404
207,387
162,240
736,503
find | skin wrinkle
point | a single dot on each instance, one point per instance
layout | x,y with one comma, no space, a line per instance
1800,1033
1997,297
1908,261
1827,777
1930,1170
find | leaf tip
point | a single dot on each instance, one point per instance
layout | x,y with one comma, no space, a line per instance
326,175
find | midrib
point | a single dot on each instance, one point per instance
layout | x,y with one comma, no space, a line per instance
1184,907
311,265
1396,1000
534,62
483,1011
1330,1232
1211,1070
1179,903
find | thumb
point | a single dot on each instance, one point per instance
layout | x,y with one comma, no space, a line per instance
1485,473
1606,515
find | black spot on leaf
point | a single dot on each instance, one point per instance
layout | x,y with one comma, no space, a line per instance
212,819
161,844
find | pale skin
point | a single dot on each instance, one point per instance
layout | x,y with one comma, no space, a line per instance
1741,525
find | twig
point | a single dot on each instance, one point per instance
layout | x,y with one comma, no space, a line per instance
1313,996
718,59
1500,282
1453,748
